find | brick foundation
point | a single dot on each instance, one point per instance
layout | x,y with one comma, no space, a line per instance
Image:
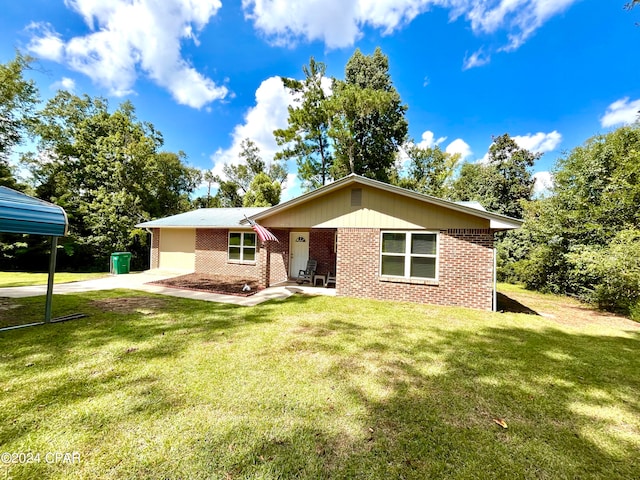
465,269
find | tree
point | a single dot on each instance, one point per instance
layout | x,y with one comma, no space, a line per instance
263,192
503,183
18,99
357,128
430,170
307,136
240,178
105,169
368,121
584,234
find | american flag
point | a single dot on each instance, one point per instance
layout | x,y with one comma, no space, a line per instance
263,233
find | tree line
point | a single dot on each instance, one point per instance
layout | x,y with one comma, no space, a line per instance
109,172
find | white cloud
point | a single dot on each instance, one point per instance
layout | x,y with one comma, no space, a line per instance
65,83
621,112
543,183
129,36
520,18
429,140
269,113
45,43
476,59
539,142
459,146
339,23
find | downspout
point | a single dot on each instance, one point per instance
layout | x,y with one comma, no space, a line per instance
151,250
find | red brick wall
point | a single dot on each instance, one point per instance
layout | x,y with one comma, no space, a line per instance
279,264
212,255
465,269
155,247
321,246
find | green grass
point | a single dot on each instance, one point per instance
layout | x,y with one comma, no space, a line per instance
316,387
21,279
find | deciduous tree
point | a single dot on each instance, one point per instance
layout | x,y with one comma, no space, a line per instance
18,100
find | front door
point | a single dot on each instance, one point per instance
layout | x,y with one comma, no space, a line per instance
298,252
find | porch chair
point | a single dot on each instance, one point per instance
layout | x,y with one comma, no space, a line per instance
331,278
307,274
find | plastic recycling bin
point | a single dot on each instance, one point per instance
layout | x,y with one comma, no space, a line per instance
120,262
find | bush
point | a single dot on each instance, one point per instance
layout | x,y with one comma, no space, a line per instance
610,275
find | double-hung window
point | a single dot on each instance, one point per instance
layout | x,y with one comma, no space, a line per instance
409,255
242,247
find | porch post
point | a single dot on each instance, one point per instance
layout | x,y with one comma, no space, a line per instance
264,269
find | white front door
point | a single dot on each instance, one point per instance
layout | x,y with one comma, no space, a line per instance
298,252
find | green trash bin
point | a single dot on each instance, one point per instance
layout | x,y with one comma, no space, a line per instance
120,262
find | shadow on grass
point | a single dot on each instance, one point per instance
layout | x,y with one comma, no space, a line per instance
433,399
509,305
64,363
396,391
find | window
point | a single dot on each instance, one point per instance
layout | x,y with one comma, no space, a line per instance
409,255
242,247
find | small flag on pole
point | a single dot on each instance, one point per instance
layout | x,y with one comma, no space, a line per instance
263,233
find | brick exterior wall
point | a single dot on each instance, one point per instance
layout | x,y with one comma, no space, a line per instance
278,270
321,248
155,248
465,269
212,255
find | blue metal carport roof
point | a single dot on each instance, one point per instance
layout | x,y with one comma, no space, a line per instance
20,213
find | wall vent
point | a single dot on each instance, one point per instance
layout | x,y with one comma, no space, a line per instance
356,197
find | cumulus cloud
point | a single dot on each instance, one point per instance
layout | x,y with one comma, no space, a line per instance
269,113
128,36
621,112
539,142
45,42
459,146
65,83
543,183
339,23
429,140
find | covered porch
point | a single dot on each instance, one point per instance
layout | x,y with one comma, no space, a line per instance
295,247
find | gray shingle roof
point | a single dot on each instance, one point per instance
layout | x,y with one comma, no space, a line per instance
206,217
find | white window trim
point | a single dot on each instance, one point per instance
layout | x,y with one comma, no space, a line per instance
242,247
407,257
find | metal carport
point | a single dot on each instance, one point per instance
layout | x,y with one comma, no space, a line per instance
20,213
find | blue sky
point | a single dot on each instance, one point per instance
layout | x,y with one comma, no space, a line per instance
206,72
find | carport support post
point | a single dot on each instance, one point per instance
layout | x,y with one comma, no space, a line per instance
52,270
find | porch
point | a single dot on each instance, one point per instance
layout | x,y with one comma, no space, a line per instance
294,249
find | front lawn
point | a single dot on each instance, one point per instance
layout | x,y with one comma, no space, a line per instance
316,387
21,279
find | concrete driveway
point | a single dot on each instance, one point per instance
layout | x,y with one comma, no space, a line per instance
139,281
